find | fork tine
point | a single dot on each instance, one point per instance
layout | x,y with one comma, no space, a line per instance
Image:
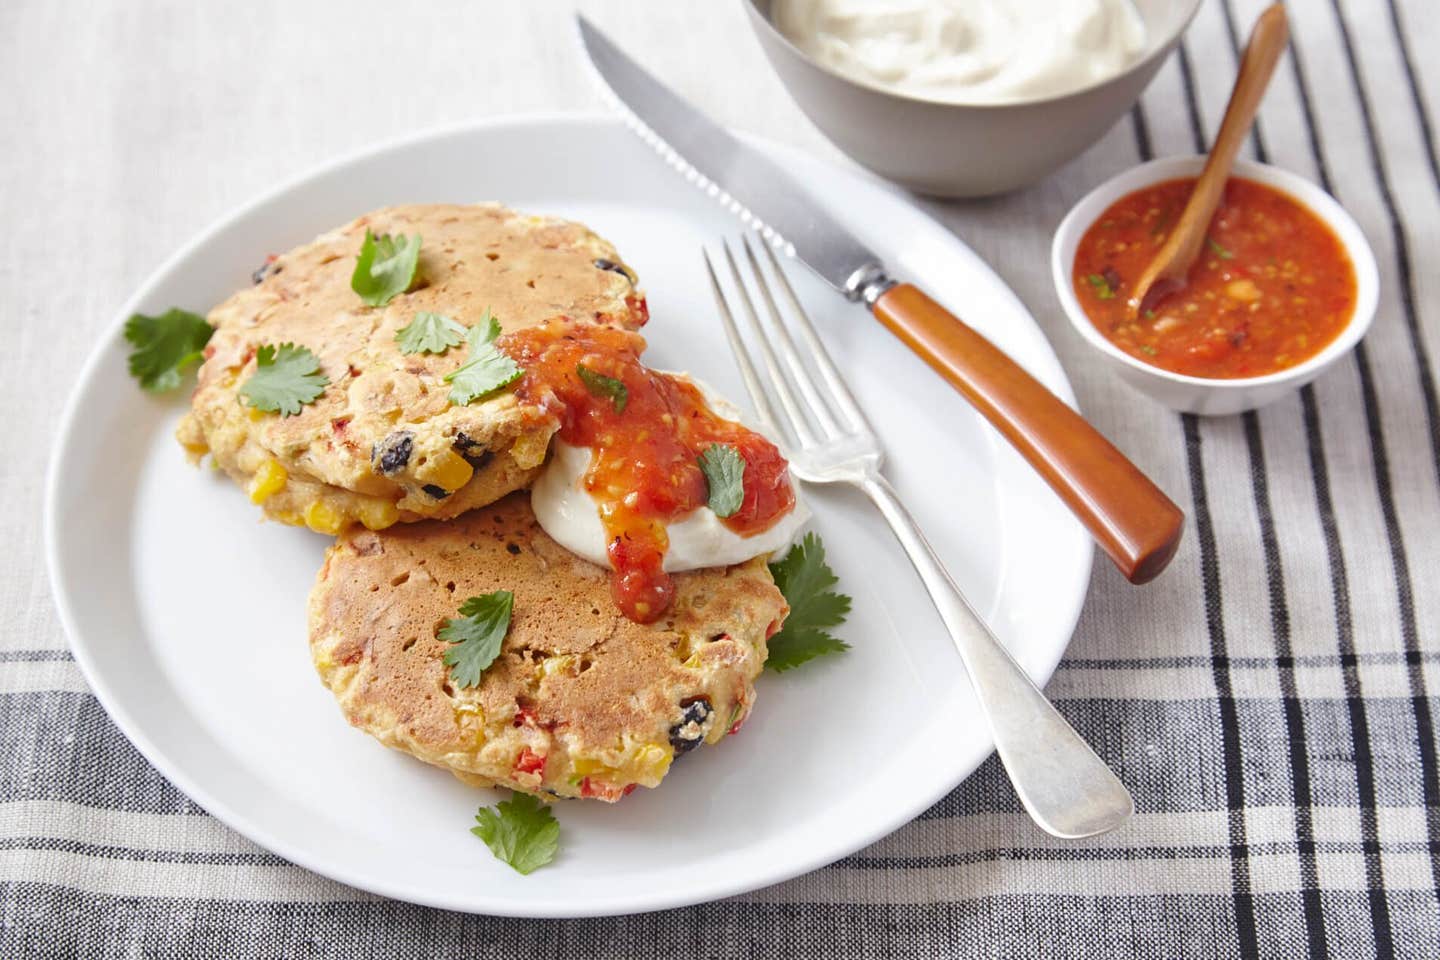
838,391
803,378
798,423
758,396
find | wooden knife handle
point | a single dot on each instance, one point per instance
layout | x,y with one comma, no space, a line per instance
1135,523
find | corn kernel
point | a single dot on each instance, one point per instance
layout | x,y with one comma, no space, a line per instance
268,481
529,450
446,469
550,666
469,715
323,518
650,762
255,415
1243,290
377,514
586,766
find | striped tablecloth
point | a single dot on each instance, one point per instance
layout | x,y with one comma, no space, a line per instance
1271,700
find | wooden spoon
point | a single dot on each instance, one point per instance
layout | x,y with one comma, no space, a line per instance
1166,274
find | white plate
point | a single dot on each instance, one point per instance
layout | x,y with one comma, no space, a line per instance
187,614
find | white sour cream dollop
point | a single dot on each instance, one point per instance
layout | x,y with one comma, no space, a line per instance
568,513
968,51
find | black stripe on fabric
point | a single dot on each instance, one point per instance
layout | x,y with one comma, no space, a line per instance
1308,660
1377,657
1161,852
1365,788
861,861
1142,132
139,855
1229,718
1296,742
34,656
1018,854
1290,700
1358,715
1245,923
1192,102
1403,269
1404,586
1417,97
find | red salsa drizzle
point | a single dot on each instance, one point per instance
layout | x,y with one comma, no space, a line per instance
1272,287
644,471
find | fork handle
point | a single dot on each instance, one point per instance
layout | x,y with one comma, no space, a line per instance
1131,518
1067,790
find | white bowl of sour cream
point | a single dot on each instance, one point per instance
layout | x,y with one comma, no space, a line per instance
966,97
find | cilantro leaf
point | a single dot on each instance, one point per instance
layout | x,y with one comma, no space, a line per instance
802,648
429,333
165,346
1218,250
521,831
483,332
724,471
477,634
1101,286
482,375
805,579
487,370
602,386
285,379
386,267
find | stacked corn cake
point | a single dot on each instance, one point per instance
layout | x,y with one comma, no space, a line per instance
428,499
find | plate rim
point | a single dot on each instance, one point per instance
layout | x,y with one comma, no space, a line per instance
259,833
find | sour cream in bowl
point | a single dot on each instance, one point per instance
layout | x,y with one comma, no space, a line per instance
968,51
966,98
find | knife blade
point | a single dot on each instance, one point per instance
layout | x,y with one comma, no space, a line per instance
737,176
1131,518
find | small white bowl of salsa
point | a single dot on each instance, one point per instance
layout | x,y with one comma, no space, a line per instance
1285,286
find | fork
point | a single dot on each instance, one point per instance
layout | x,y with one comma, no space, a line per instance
1067,790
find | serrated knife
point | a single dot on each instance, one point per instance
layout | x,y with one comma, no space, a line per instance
1130,517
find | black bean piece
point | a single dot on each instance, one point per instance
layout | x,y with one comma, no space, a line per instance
613,267
390,455
475,453
265,269
436,491
688,733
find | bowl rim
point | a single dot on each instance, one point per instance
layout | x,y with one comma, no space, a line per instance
1300,189
1157,51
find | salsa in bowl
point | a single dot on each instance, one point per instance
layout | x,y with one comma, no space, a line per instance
1285,285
